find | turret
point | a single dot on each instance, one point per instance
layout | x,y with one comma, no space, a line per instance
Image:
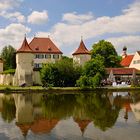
24,62
82,54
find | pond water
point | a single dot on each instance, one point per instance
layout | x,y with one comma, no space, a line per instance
82,116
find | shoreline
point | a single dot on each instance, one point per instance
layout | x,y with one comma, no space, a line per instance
39,89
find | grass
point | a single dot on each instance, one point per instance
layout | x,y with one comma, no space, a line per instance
36,89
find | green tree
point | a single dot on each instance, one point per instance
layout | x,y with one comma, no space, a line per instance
93,72
108,52
60,74
9,56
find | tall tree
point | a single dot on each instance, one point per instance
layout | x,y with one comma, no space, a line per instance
93,72
9,56
106,50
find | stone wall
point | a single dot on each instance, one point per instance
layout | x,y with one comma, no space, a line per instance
6,79
36,78
9,79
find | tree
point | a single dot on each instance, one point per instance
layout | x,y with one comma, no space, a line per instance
106,50
9,56
93,72
60,74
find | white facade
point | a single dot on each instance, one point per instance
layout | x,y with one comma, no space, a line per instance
43,58
135,63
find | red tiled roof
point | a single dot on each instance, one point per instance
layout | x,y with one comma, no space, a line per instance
122,71
43,45
81,49
25,48
44,125
127,60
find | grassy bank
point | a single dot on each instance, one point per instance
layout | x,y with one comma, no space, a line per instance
37,89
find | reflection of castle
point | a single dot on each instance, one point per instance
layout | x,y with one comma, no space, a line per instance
30,116
121,99
136,110
82,124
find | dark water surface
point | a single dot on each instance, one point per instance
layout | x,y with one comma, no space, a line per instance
84,116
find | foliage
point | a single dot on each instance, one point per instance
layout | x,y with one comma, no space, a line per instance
60,74
107,51
10,71
9,109
9,56
93,72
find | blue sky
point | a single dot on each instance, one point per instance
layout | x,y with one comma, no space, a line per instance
65,21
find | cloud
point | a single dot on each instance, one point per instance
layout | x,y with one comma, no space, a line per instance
73,26
13,34
15,16
9,4
38,17
74,18
131,42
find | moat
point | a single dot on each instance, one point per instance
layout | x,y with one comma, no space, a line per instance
82,116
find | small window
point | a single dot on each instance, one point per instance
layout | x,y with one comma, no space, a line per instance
56,56
134,62
138,61
47,56
37,56
38,65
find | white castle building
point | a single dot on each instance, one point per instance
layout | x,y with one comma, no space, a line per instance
30,57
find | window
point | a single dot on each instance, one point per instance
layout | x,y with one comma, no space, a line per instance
56,56
138,61
134,62
47,56
38,65
39,56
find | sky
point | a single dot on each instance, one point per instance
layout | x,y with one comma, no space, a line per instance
66,21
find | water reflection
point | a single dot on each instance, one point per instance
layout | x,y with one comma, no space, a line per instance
41,113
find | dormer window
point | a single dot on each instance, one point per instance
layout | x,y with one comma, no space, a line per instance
49,49
36,48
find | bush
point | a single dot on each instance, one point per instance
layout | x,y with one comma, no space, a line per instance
10,71
60,74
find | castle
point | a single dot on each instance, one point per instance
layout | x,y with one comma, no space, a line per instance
31,56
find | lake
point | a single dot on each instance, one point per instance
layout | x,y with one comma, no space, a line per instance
79,116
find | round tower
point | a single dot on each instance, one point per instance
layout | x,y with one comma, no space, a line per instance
82,54
24,62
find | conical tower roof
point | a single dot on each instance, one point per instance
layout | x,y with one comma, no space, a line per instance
25,48
82,124
81,49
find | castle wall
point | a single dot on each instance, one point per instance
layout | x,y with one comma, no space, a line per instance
24,70
81,58
37,78
6,79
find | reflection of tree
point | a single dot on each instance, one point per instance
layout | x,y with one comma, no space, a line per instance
95,107
9,109
58,106
101,111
